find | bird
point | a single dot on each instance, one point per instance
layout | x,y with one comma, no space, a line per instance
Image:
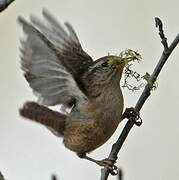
60,72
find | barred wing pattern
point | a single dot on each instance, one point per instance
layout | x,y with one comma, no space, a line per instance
53,71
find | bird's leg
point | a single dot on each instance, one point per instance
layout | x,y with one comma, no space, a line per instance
108,163
131,112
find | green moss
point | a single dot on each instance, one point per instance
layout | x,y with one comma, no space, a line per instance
132,80
127,55
152,86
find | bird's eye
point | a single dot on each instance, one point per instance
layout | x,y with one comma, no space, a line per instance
105,64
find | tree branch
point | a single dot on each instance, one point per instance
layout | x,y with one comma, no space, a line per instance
4,4
120,175
1,176
145,94
158,23
54,177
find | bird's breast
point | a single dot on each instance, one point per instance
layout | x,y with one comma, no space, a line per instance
107,113
101,118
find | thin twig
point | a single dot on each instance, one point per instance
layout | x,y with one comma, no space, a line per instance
120,175
1,176
54,177
4,4
145,94
159,24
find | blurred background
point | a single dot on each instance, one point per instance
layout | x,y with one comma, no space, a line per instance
28,151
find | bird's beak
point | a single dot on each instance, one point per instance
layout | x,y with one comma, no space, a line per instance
126,61
117,62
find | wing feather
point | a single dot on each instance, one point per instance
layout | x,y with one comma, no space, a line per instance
47,75
66,42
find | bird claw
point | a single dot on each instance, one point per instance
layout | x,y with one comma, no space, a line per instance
131,112
138,121
113,170
109,163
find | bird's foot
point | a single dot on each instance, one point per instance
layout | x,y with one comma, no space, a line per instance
131,112
109,163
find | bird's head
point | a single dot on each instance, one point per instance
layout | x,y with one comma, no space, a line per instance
105,72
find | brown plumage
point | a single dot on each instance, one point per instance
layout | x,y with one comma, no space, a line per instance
60,72
45,116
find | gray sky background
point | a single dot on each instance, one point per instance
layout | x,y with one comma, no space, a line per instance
28,151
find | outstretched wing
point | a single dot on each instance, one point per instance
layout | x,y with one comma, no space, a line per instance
68,45
52,60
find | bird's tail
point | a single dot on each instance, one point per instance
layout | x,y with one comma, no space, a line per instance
43,115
